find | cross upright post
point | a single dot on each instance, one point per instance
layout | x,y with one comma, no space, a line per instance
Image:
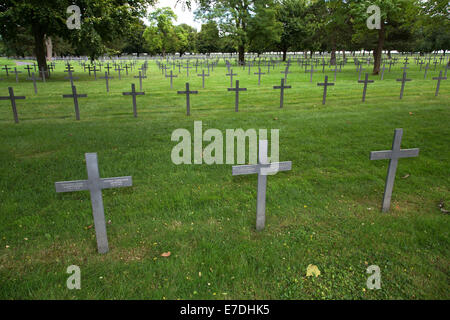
203,75
106,77
33,77
259,73
394,154
13,99
133,94
188,98
366,81
439,82
75,97
325,88
237,90
282,87
171,76
403,81
263,169
140,79
231,74
95,184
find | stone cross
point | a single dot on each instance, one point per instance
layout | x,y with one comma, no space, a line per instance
426,70
263,169
118,69
188,98
259,73
133,93
95,184
394,154
17,74
403,80
285,72
282,87
203,75
421,63
71,77
140,79
95,72
106,77
107,67
75,97
439,82
382,72
231,74
237,89
6,68
13,99
33,77
312,72
187,68
325,88
28,68
366,81
171,78
360,69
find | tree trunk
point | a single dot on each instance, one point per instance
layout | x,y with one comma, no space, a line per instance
378,52
49,47
39,49
284,54
241,50
333,52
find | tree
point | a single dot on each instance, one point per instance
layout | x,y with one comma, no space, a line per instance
208,38
234,18
102,20
162,19
186,38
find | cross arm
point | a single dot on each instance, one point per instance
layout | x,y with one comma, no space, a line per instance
118,182
388,154
70,186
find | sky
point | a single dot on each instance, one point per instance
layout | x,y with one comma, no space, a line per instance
184,16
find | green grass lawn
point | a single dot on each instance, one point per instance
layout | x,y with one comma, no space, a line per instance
325,212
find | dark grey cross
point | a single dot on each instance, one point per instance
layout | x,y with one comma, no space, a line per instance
391,63
282,87
360,69
366,81
71,77
263,169
324,64
325,88
435,63
13,102
394,154
106,77
259,73
403,80
312,72
231,74
439,82
203,75
140,79
107,67
188,98
95,72
421,63
118,69
426,70
75,97
95,184
382,72
17,74
28,68
33,77
126,68
6,68
237,89
133,93
285,72
404,68
171,78
187,68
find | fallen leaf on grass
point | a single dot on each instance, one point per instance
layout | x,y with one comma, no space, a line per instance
166,254
89,227
312,270
406,177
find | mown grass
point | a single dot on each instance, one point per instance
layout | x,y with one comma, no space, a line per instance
324,212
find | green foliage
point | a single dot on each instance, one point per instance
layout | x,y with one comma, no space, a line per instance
208,38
